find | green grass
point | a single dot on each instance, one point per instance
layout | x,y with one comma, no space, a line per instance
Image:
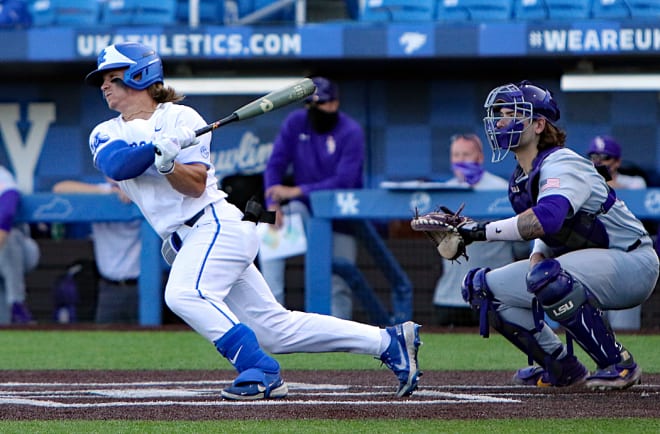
128,350
550,426
26,349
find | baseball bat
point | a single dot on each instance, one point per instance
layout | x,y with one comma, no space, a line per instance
269,102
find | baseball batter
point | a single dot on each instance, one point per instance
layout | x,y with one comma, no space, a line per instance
590,254
213,284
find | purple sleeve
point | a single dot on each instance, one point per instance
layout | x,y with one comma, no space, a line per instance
281,157
551,212
348,173
9,200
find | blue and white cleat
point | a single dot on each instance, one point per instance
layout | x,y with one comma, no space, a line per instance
401,356
254,384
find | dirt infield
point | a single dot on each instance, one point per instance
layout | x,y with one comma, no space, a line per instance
193,395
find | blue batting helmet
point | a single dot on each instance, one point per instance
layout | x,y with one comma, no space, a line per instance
527,101
144,65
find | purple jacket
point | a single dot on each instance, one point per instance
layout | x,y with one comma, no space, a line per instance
318,161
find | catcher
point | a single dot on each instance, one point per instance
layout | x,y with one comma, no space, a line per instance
588,248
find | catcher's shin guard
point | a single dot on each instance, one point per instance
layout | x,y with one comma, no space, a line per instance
475,291
570,303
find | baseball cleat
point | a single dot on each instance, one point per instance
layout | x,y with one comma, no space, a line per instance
615,377
254,384
401,356
573,373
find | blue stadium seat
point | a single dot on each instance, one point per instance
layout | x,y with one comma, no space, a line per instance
285,14
530,10
76,12
210,11
154,12
353,9
474,10
117,12
552,9
644,8
15,14
397,10
43,13
611,9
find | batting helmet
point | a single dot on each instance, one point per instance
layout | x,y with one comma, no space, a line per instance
144,65
527,102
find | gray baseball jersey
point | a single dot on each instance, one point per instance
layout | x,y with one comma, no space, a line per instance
620,276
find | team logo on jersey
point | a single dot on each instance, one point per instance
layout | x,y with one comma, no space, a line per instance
331,145
97,141
204,150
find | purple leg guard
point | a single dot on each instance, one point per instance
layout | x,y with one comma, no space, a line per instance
475,291
570,303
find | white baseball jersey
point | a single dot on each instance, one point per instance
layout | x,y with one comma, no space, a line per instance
213,283
163,207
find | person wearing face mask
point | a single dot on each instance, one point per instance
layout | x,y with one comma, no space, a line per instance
467,159
319,148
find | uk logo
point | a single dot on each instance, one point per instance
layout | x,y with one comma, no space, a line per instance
97,141
347,203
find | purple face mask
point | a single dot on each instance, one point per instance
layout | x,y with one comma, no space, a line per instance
471,171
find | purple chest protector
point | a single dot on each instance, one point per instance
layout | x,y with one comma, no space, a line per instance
583,230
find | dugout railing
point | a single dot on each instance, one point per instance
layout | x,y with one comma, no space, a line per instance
367,204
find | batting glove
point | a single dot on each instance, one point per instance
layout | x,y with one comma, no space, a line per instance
167,149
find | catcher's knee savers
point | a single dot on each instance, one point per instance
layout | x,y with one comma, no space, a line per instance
475,291
570,303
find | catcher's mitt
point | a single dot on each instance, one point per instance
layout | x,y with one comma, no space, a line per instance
442,227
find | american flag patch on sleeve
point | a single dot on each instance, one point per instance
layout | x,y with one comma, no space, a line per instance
549,183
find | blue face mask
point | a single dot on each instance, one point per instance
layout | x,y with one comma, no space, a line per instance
471,171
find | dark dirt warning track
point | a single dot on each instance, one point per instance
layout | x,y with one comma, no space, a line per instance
194,395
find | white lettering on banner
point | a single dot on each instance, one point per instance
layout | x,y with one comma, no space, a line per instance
249,157
595,40
195,44
24,156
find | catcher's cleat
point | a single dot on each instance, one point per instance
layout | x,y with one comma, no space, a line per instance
401,356
573,374
254,384
615,377
20,314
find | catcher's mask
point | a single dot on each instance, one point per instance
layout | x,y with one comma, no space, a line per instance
524,103
144,66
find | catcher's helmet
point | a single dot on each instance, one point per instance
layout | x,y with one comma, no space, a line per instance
527,102
144,65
